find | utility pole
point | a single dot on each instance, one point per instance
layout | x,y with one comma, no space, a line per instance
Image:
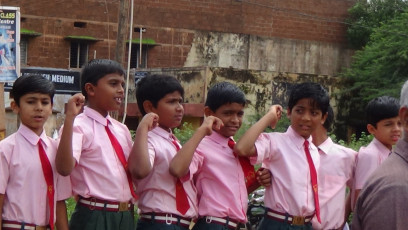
122,31
121,39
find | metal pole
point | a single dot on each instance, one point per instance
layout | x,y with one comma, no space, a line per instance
128,62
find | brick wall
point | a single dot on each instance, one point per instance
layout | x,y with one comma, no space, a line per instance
315,20
173,24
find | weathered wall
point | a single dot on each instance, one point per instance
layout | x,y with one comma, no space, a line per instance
262,88
268,54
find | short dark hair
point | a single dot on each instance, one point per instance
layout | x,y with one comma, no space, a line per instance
154,87
224,93
314,91
381,108
31,84
329,120
97,69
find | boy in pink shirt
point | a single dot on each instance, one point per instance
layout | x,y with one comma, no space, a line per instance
208,156
94,148
293,160
159,99
384,124
32,193
335,173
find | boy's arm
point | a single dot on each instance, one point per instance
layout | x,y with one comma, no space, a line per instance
263,178
356,194
1,210
64,160
246,144
139,162
348,208
181,161
61,221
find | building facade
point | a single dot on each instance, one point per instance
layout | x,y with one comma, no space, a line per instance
303,37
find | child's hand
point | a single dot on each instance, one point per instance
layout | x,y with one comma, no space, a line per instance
211,123
75,104
264,177
150,120
276,113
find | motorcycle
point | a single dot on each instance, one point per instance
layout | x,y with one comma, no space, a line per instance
256,209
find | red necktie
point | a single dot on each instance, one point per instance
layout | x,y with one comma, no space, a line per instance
247,167
313,176
121,156
49,179
181,196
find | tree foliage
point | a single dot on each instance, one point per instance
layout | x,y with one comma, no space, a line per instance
380,68
365,16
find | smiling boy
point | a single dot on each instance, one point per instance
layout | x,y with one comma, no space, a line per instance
293,160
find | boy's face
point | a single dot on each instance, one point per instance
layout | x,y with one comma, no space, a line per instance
231,115
107,94
34,110
305,118
388,131
170,110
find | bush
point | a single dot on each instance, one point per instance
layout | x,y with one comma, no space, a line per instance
355,142
184,133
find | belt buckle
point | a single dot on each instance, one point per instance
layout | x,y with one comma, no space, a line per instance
298,220
40,227
123,206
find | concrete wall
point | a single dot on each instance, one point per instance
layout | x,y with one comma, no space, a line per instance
268,54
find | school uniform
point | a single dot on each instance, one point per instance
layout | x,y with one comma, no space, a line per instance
22,179
368,159
98,178
220,183
157,191
335,174
290,198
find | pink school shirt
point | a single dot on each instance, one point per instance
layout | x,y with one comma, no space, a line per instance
98,172
220,180
334,175
283,154
22,179
157,192
368,159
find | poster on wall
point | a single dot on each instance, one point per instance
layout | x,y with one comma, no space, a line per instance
9,43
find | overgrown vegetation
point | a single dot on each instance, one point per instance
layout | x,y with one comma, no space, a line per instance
381,66
366,16
184,132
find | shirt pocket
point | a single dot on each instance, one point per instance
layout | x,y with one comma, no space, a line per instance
332,184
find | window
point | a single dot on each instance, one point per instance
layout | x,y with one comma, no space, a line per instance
78,55
135,56
23,50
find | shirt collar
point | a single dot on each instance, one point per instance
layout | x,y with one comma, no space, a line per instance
326,145
382,148
93,114
298,140
220,139
163,133
32,137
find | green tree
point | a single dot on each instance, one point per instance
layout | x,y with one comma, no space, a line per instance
365,16
380,68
